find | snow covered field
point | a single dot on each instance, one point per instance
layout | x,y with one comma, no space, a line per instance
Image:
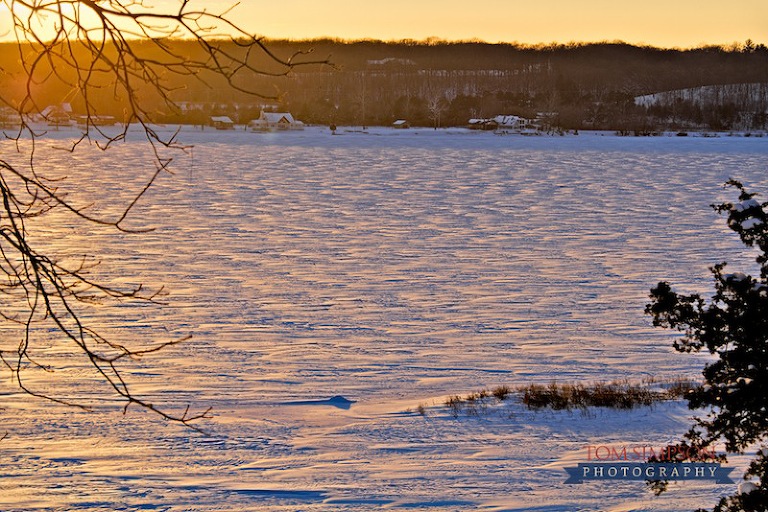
392,269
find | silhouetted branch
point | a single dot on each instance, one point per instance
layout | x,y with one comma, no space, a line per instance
88,47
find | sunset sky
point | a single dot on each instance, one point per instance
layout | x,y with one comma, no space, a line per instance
676,23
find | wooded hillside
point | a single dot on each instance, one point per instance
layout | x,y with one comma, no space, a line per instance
446,83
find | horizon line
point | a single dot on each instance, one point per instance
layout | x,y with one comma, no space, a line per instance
732,46
436,40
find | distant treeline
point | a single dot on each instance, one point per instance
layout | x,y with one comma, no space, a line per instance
437,83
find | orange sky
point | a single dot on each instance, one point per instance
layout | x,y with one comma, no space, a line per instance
664,23
668,23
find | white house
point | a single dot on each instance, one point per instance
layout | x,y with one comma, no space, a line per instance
270,121
222,123
57,115
401,124
510,122
504,123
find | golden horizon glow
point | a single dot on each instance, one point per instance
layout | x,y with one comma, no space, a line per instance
660,23
682,23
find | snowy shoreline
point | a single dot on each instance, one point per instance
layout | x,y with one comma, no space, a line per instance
52,131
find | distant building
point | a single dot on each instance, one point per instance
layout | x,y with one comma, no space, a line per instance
401,124
222,123
477,124
58,115
504,123
391,61
9,118
94,120
271,121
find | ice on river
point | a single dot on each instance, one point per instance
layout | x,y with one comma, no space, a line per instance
332,284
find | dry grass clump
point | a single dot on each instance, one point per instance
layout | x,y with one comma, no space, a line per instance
474,403
580,396
616,394
501,393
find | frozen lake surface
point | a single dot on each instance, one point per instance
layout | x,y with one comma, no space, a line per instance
391,269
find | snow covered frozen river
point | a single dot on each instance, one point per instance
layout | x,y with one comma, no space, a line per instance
392,269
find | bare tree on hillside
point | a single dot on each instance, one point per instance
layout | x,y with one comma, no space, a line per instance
88,49
436,107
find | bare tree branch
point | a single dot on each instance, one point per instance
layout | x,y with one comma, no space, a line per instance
89,48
